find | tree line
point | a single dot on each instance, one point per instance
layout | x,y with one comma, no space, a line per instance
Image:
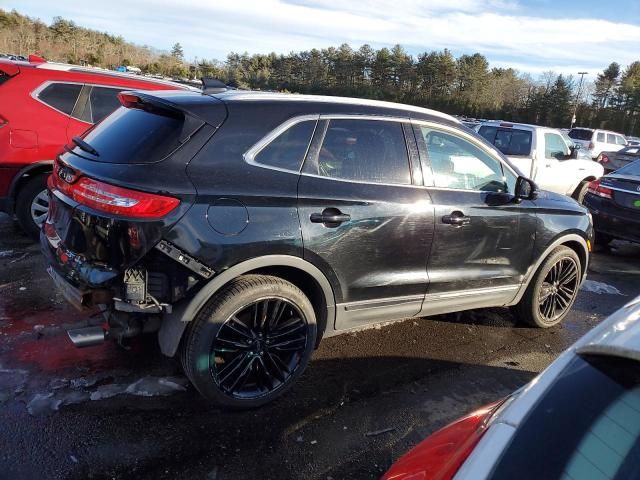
463,85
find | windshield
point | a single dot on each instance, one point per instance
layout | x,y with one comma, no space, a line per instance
587,426
581,134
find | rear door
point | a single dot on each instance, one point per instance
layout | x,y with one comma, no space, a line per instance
365,219
483,240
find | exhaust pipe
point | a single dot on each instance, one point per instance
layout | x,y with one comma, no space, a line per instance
87,336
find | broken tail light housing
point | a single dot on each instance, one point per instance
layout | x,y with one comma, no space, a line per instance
108,198
596,189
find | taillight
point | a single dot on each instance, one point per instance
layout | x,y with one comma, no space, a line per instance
596,189
591,146
110,198
604,158
440,455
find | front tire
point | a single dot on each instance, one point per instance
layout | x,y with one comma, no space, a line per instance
250,342
552,291
32,205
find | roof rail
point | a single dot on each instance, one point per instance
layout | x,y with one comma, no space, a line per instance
213,85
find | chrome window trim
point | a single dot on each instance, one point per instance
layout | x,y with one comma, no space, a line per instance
468,137
250,155
622,190
35,94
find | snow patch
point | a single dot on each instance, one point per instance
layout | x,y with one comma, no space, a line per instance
599,288
145,387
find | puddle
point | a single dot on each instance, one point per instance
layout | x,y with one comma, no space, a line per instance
600,288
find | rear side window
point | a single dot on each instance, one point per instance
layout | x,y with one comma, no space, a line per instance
287,150
134,136
611,138
581,134
61,96
587,426
600,137
509,141
364,150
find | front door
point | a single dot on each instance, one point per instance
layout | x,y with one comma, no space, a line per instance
364,221
483,239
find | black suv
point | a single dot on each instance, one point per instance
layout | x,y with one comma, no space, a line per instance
244,227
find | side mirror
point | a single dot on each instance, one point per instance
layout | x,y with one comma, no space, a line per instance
577,146
526,189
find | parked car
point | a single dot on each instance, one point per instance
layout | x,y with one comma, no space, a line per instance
633,141
614,160
543,155
575,149
43,106
596,141
296,218
579,419
614,202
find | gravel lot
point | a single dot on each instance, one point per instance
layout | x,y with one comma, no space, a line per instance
107,412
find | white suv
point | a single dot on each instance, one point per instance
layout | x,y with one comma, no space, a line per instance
597,141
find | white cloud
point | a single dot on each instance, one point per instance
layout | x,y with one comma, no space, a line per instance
212,29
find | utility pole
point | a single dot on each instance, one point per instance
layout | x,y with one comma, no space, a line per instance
575,107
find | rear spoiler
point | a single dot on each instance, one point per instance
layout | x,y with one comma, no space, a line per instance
9,69
191,105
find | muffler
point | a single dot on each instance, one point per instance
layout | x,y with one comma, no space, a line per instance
87,336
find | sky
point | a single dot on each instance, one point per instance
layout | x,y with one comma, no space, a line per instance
533,36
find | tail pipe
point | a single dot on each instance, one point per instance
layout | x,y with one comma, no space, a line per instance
87,336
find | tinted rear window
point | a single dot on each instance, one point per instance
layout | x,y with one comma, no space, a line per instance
509,141
581,134
287,151
587,426
630,169
134,136
61,96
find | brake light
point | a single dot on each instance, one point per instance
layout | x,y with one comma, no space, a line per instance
440,455
591,146
596,189
110,198
506,124
604,158
129,100
36,59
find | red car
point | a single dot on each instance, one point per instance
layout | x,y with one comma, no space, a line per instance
42,107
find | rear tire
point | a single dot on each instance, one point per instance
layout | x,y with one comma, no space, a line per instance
552,291
250,342
32,204
580,192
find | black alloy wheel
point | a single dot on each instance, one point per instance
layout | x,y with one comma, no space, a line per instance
552,291
558,289
258,348
250,342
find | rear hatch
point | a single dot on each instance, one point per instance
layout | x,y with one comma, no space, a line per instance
583,136
119,187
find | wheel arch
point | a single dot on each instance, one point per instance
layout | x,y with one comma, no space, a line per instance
296,270
575,242
23,176
578,187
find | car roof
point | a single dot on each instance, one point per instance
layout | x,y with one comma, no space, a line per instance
66,67
244,95
502,123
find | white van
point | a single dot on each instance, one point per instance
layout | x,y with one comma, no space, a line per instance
597,141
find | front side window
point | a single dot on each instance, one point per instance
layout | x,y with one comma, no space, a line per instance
287,150
620,140
103,101
61,96
554,146
366,151
459,164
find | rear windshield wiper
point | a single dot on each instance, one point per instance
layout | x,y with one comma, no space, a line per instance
85,146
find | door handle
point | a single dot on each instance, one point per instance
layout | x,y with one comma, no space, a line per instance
331,217
456,218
